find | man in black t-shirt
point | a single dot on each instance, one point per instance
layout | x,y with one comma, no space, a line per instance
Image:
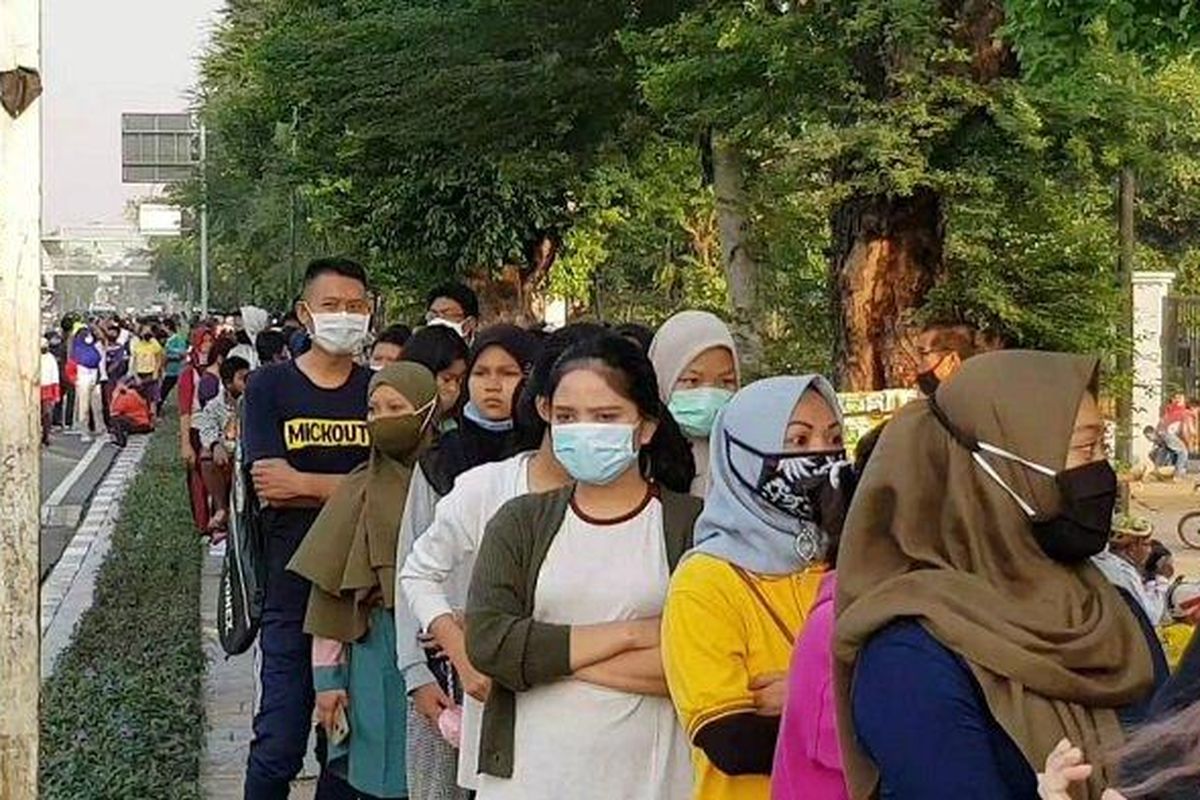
304,428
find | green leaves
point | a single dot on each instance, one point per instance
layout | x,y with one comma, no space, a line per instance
436,140
122,716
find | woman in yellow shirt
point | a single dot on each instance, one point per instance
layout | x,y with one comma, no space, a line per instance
740,598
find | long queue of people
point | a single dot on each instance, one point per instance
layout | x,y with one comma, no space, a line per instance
599,563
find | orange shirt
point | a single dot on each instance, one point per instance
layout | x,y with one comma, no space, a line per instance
130,404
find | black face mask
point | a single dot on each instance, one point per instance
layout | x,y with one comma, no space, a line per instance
1083,527
1088,494
928,382
802,486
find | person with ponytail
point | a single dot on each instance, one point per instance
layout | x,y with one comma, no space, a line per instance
563,613
349,556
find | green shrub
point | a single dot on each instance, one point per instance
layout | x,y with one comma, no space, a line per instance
123,717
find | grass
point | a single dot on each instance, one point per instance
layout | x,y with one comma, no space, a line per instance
123,714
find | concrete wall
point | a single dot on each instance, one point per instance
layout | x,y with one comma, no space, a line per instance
1150,290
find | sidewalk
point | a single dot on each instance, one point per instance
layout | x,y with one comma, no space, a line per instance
228,704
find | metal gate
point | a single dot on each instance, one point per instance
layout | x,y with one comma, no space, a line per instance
1181,346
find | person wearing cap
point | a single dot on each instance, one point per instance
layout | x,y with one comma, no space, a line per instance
1123,562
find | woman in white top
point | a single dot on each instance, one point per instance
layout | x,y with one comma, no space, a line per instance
433,573
696,361
568,589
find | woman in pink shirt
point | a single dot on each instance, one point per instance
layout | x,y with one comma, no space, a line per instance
808,761
808,758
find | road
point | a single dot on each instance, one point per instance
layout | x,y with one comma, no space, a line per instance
69,486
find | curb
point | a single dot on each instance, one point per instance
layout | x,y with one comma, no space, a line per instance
68,590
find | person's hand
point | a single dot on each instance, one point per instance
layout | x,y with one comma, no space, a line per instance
770,693
430,701
644,633
188,455
276,481
220,456
328,704
1065,766
474,682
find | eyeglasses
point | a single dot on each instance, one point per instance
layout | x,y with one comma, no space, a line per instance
447,313
333,305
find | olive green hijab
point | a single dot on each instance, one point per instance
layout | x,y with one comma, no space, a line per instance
930,535
349,554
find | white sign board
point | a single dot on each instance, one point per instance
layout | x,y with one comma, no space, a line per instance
159,219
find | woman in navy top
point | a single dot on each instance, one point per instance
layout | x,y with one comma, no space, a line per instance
972,632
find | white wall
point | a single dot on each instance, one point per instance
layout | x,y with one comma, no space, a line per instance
1150,291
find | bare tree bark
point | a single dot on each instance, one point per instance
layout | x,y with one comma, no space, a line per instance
20,419
517,294
887,250
887,256
741,269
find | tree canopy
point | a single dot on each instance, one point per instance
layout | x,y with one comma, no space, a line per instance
568,147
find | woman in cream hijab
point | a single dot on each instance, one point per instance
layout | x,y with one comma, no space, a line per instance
972,632
698,372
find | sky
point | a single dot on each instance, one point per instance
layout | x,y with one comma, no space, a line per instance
100,59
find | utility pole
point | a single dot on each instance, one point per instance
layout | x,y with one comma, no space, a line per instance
1126,200
292,210
203,220
20,420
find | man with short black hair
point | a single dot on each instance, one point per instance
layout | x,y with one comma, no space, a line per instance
456,306
389,347
304,429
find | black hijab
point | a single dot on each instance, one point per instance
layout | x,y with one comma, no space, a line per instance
470,444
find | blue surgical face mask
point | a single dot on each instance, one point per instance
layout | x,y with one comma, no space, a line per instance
696,409
595,453
472,412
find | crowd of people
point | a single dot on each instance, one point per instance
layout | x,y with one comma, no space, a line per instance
600,562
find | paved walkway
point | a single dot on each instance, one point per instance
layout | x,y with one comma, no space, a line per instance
228,704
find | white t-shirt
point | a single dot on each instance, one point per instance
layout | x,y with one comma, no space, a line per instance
577,739
436,574
1151,595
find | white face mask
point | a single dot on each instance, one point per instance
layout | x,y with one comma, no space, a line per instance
340,334
457,327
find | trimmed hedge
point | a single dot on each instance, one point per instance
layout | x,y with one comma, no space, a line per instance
123,715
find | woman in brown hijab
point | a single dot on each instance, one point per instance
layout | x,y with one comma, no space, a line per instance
349,555
972,633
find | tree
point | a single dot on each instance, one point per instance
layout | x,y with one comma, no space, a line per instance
964,160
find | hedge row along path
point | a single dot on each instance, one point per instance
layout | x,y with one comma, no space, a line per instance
122,715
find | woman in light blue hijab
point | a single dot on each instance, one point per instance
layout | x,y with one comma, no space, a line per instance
742,595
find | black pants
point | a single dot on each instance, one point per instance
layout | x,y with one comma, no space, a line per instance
65,413
123,426
168,383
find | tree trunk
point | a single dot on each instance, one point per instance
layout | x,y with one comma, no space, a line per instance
887,256
515,295
20,421
741,270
